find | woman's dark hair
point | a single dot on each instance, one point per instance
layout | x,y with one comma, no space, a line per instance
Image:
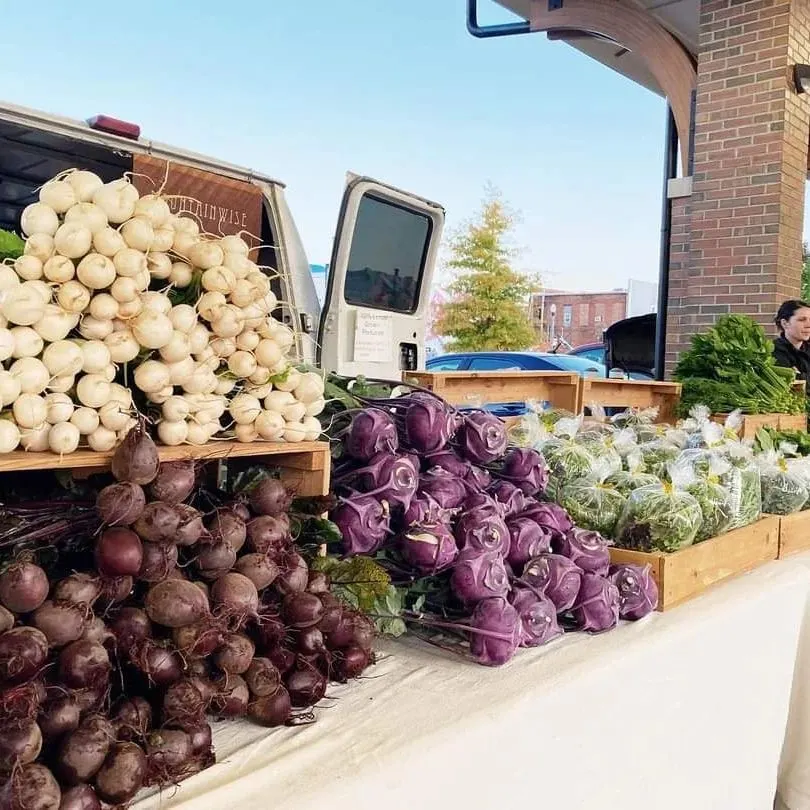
788,310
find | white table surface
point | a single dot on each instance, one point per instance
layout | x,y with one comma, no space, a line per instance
682,711
794,769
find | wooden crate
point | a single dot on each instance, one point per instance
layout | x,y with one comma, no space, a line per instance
794,533
304,466
609,393
476,388
753,422
682,575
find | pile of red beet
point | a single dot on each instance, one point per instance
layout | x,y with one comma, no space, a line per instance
108,675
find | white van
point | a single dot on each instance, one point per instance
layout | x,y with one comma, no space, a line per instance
384,251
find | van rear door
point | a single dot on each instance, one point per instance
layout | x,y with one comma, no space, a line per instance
378,285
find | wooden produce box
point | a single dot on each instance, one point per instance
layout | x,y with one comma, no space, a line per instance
794,533
753,422
304,467
682,575
609,393
472,389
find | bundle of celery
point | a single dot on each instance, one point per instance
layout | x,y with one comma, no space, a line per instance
731,367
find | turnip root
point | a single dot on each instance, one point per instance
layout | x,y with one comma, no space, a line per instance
32,787
80,797
83,751
19,745
133,719
176,603
23,652
122,774
23,587
235,655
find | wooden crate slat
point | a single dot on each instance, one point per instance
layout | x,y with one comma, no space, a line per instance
684,574
631,394
794,533
303,466
473,388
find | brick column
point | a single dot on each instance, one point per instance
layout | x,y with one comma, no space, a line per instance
736,242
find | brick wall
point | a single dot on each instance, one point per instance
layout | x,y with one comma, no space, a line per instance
591,314
736,243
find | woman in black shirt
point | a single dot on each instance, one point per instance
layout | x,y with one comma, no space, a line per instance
792,348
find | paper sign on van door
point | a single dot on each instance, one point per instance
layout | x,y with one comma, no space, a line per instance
374,337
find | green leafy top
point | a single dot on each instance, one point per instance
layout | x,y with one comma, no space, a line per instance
363,584
11,246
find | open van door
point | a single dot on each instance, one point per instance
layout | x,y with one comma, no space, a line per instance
378,286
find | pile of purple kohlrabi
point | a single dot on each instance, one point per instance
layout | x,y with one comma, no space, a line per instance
438,494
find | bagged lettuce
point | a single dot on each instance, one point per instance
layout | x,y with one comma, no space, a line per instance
661,517
592,502
567,458
635,418
632,478
745,484
711,488
657,455
784,490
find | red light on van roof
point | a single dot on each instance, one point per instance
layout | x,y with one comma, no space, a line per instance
114,126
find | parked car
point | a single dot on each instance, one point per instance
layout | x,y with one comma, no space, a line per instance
514,361
590,351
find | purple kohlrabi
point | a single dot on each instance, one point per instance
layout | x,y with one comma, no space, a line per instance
372,431
588,549
538,617
483,503
429,423
425,511
482,437
447,460
527,539
555,575
364,523
526,469
391,478
481,530
429,549
448,490
551,516
638,593
597,605
479,575
478,477
495,631
510,496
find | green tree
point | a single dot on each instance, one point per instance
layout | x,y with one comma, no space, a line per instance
488,306
805,273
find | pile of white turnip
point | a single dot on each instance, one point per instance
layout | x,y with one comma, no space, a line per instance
108,674
85,314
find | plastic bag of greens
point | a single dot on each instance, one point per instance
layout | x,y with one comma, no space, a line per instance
711,488
635,418
592,502
661,517
634,477
567,458
744,483
536,425
609,447
657,455
800,467
783,490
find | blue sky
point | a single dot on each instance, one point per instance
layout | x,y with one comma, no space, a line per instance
305,91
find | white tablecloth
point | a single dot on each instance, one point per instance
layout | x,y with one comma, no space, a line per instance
794,769
682,711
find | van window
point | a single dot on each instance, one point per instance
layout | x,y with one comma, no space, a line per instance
387,257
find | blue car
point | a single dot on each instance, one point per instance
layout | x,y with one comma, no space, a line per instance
515,361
